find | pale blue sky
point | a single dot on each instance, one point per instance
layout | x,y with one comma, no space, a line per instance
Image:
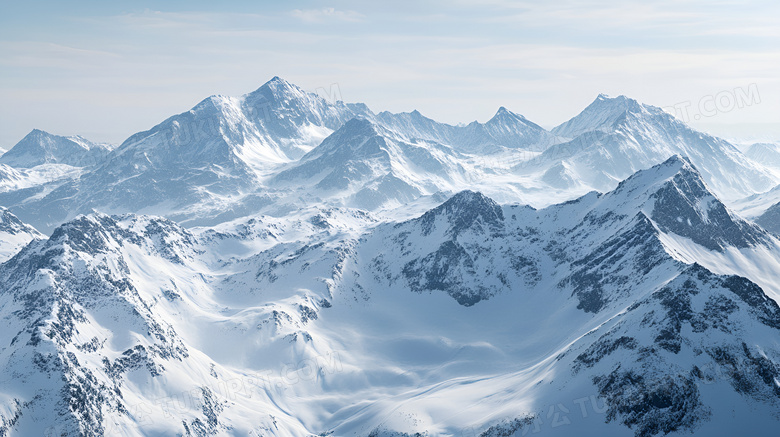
108,69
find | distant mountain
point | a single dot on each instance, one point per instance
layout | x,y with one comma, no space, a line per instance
601,115
199,160
279,149
505,130
615,137
40,147
370,166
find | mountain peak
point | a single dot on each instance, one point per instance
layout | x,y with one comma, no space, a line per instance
675,196
600,115
503,112
463,210
679,160
360,123
676,166
602,97
278,87
276,80
38,132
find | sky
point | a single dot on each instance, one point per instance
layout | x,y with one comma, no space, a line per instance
106,70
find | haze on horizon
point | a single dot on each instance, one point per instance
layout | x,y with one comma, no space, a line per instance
106,71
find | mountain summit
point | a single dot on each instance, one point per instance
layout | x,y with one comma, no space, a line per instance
599,115
39,147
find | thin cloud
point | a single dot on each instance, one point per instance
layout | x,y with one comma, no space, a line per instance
327,14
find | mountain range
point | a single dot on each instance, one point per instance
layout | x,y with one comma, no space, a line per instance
282,265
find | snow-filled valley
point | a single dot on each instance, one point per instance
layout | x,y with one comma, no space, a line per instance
276,264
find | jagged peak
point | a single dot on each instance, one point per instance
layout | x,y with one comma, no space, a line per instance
676,166
462,210
11,223
678,201
98,232
469,196
504,115
36,134
502,111
414,115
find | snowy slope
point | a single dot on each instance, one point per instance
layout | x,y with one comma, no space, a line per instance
770,219
103,318
14,235
526,271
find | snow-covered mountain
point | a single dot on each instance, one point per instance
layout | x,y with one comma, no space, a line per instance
767,154
258,154
202,159
614,137
370,166
614,314
506,130
40,147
